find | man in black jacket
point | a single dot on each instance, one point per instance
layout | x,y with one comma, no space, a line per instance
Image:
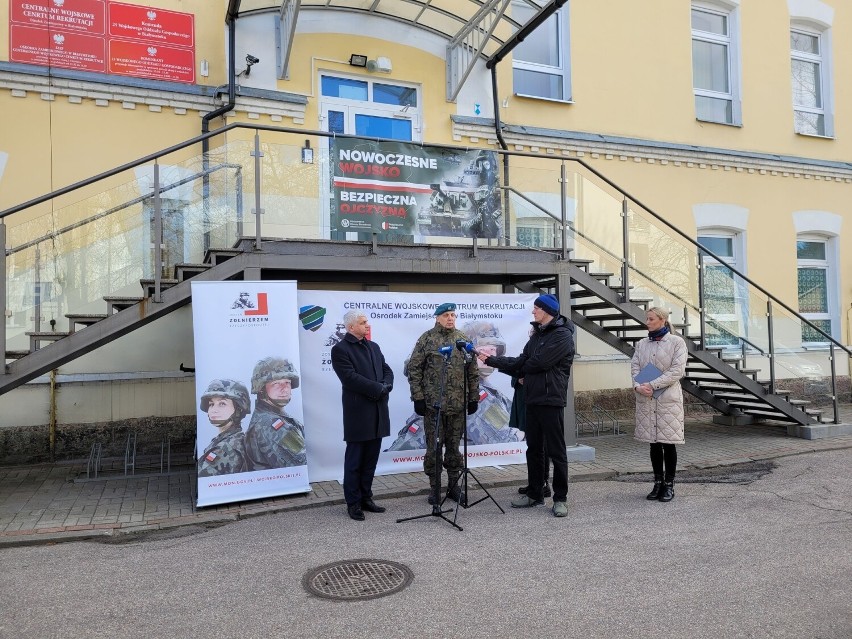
367,381
545,365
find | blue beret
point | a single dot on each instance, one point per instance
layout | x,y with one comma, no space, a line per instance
445,308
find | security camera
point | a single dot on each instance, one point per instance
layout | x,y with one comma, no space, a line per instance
250,60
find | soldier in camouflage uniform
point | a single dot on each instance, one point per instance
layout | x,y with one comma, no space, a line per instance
274,439
226,403
425,374
490,423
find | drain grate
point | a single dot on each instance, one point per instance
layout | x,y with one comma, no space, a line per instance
357,579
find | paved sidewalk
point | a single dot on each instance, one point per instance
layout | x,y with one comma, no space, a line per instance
44,504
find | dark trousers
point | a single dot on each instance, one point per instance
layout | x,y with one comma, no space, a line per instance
546,438
359,468
664,452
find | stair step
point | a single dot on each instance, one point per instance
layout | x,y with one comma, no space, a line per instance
581,292
603,277
16,354
799,402
634,327
185,271
218,256
769,414
604,317
115,304
749,371
733,397
148,285
814,412
84,319
37,337
580,263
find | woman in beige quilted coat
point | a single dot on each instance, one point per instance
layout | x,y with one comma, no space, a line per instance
659,401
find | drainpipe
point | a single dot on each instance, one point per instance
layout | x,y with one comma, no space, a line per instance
53,415
498,128
233,8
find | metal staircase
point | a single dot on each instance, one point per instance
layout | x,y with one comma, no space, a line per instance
609,306
712,376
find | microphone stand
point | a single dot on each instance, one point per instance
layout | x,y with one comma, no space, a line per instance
463,499
437,504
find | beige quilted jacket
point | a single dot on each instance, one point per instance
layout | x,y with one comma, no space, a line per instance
660,419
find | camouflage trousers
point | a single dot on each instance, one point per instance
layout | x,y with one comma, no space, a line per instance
452,427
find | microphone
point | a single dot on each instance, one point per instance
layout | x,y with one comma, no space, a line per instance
446,351
465,346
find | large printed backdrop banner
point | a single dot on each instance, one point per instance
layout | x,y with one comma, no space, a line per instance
248,381
397,187
496,323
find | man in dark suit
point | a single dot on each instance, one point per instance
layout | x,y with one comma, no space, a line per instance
367,381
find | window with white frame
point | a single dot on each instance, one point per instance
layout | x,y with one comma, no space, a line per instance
815,277
723,297
540,66
715,63
810,84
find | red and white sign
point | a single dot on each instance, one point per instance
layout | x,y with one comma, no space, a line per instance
151,61
130,22
33,45
86,16
104,37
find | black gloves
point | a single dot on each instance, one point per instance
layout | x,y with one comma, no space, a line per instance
420,407
386,389
472,407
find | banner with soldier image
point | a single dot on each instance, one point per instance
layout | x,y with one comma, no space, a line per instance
250,428
494,323
403,188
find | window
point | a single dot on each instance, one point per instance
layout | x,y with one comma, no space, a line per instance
722,296
715,66
540,63
814,283
809,82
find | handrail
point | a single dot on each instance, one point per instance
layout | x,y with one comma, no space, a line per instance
115,209
302,132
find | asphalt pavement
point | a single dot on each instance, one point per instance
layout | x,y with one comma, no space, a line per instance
755,549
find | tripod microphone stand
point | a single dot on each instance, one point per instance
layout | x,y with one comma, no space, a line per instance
467,348
437,503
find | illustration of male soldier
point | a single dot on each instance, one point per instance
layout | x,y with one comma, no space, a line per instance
226,403
274,439
490,423
243,301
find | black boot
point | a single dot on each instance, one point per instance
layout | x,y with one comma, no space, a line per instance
667,494
454,490
657,489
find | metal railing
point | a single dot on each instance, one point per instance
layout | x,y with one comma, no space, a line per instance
290,199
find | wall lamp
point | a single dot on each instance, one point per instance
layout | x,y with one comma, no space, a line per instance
357,60
307,153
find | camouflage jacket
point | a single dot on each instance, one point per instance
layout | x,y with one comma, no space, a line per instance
225,455
489,425
274,439
426,366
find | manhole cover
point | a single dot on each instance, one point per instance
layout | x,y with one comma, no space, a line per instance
355,579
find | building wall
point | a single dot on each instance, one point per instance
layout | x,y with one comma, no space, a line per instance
631,117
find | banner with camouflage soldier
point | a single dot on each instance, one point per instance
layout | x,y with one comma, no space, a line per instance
250,434
492,322
403,188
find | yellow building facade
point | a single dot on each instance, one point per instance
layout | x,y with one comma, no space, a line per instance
729,120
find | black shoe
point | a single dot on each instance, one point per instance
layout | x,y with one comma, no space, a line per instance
545,492
667,493
456,494
355,512
655,491
372,507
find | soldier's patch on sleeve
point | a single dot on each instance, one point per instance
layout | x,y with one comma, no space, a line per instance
482,395
277,424
211,457
293,441
497,416
413,427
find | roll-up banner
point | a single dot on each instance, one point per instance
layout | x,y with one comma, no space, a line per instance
249,389
269,404
493,322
